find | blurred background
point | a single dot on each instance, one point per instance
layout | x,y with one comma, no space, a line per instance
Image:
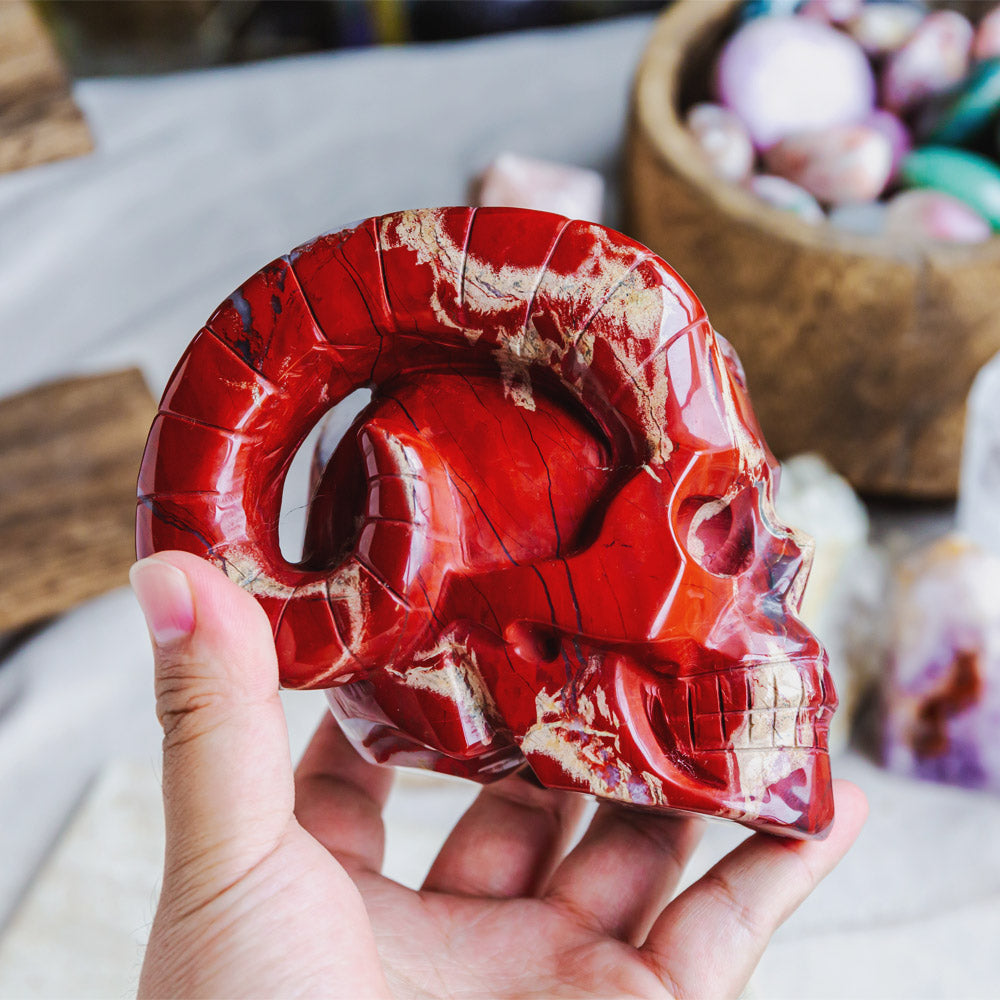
101,37
822,172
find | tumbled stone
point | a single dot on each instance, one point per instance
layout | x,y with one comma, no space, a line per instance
881,28
934,58
892,127
784,75
978,513
832,11
751,9
986,44
957,115
941,694
723,139
839,164
923,215
864,218
969,177
783,194
522,182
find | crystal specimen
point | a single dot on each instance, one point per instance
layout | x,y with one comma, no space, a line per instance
942,691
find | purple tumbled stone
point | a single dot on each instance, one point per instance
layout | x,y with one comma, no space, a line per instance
941,693
839,164
923,215
783,194
723,139
783,75
935,57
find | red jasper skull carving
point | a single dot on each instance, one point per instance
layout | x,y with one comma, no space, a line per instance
549,538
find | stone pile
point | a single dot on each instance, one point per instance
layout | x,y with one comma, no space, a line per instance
880,117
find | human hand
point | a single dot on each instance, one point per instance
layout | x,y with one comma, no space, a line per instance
271,883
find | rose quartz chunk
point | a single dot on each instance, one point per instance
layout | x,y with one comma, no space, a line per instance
783,194
934,215
784,75
520,182
723,139
935,58
840,164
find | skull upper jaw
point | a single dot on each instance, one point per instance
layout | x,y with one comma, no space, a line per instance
699,744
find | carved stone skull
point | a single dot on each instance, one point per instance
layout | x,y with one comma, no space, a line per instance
549,539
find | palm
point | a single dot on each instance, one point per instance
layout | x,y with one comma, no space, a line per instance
527,945
505,912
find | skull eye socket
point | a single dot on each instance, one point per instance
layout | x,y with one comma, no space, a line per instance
719,531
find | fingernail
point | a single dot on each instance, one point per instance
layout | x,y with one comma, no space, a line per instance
164,595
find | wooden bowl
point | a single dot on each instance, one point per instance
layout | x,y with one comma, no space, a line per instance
855,347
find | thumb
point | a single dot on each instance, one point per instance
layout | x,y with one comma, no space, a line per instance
227,773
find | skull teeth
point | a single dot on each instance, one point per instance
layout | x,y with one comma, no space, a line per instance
775,705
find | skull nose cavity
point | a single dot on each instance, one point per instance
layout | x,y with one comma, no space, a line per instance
789,572
534,643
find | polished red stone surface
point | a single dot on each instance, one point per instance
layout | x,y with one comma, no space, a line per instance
549,538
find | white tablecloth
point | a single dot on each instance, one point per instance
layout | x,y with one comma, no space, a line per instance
117,258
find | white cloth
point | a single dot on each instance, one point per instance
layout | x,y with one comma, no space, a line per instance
117,258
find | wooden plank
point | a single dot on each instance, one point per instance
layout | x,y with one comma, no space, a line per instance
69,456
39,120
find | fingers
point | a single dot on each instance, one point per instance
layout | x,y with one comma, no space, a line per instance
227,780
621,874
339,798
709,939
507,842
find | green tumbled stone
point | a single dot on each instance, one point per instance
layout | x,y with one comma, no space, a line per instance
957,116
969,177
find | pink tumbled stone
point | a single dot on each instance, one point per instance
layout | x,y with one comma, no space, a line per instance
521,182
783,75
840,164
880,28
935,58
831,11
933,215
986,44
783,194
900,140
723,139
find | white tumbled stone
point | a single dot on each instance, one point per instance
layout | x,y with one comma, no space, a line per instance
723,139
791,74
978,513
